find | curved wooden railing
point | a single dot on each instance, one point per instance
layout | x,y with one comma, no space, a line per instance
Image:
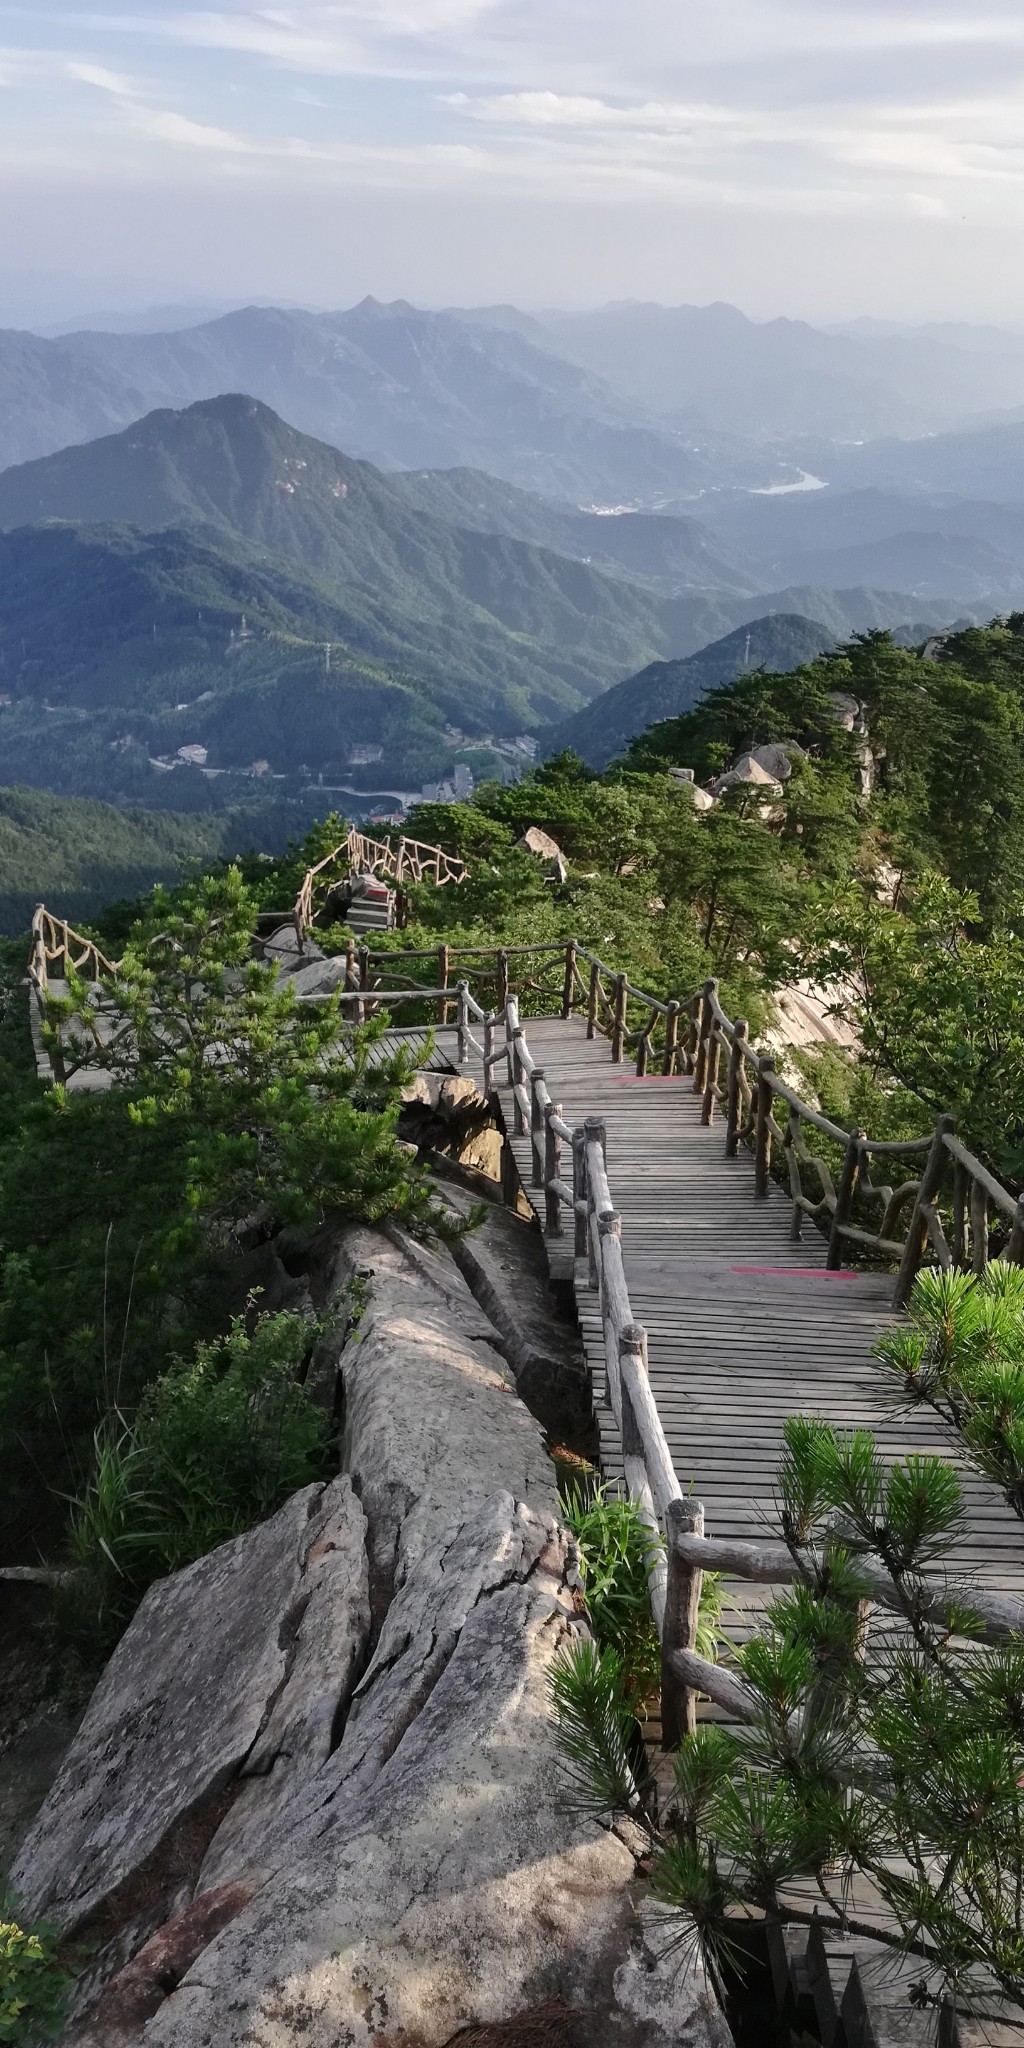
55,944
409,861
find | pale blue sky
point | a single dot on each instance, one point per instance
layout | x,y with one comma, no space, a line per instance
822,157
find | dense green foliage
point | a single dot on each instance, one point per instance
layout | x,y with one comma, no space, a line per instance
218,1442
34,1984
126,1215
78,856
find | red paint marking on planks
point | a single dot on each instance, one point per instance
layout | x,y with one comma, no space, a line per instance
797,1272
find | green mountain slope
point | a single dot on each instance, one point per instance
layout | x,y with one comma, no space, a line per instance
667,688
666,552
476,608
77,856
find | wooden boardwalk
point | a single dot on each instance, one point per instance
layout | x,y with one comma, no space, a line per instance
744,1327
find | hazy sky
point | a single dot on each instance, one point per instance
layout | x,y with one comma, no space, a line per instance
822,157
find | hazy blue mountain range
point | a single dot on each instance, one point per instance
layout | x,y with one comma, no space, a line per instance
212,576
665,689
710,366
402,387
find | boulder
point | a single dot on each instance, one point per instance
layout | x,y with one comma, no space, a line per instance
505,1265
439,1878
319,977
432,1421
776,757
848,711
543,847
236,1665
283,951
746,768
318,1801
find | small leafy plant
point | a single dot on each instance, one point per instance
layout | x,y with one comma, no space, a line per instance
616,1550
34,1985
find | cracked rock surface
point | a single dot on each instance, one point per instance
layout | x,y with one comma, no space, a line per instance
356,1698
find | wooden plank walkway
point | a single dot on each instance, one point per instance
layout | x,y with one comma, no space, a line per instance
745,1327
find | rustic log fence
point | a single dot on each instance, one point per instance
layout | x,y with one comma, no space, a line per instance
949,1199
409,861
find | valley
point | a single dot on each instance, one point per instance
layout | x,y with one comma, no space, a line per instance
318,546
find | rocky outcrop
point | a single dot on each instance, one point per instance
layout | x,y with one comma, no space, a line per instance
317,1798
540,843
232,1669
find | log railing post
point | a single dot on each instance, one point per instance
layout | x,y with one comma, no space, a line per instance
592,998
692,1034
463,1020
552,1171
700,1062
979,1228
643,1048
510,1010
581,1228
536,1129
518,1077
714,1054
917,1236
594,1132
961,1184
362,1007
502,979
609,1225
619,1018
443,962
1015,1248
668,1063
490,1056
844,1200
682,1609
734,1101
570,977
763,1133
632,1350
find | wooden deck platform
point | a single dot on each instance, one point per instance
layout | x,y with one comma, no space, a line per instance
745,1327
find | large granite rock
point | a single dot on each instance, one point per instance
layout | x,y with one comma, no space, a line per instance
437,1876
346,1715
231,1669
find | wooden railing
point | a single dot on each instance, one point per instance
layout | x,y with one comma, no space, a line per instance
747,1091
57,947
409,861
893,1202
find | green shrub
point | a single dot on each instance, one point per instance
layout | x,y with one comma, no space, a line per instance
616,1548
34,1986
219,1443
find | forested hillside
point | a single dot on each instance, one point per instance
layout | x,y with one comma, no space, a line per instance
77,856
603,730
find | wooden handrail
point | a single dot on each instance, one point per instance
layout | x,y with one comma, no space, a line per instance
733,1080
410,861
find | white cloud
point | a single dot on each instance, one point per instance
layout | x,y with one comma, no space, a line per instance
113,82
